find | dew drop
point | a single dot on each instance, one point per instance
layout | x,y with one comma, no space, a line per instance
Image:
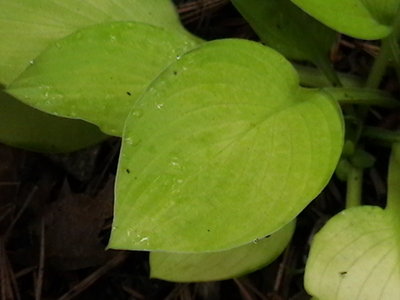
174,163
136,113
145,239
159,105
132,142
31,62
113,38
178,57
129,141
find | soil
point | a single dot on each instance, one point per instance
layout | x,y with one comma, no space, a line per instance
56,210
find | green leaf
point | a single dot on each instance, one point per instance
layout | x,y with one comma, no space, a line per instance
356,255
222,149
364,19
25,127
285,27
97,73
27,27
188,267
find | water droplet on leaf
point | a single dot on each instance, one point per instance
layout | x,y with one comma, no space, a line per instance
136,113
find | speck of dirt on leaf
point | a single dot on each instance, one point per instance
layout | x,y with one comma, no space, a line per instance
128,171
128,93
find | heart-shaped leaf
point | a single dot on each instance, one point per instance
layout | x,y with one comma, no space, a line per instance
187,267
222,149
285,27
96,74
25,127
27,27
356,255
364,19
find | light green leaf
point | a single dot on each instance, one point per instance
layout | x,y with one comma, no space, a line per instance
187,267
222,149
285,27
364,19
27,27
356,255
25,127
96,74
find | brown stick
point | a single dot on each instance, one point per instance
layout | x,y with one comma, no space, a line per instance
92,278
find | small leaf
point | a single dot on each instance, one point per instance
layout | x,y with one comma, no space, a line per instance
27,27
222,149
356,255
97,73
285,27
25,127
364,19
187,267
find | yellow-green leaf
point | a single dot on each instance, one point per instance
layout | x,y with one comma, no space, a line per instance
223,148
188,267
97,73
25,127
27,27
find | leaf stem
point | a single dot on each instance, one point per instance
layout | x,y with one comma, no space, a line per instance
393,198
387,137
381,62
362,96
327,69
313,77
354,187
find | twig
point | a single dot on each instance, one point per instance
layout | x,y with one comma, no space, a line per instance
254,290
281,270
92,278
24,206
39,281
133,293
8,284
195,10
245,293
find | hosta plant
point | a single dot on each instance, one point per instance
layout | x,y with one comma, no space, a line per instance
224,142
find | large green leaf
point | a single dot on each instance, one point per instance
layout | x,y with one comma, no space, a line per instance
25,127
27,27
365,19
97,73
283,26
222,149
356,255
187,267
